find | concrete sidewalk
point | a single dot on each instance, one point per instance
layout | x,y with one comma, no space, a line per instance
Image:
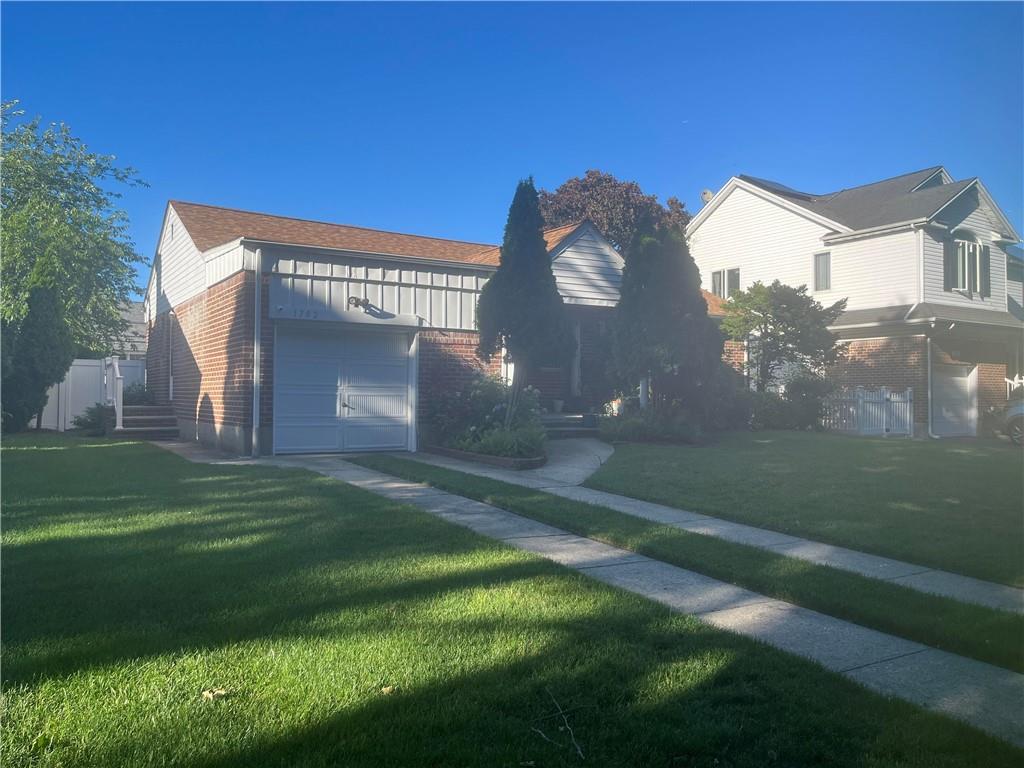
571,462
988,697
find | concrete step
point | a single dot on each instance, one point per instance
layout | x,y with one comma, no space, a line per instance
150,421
147,433
148,410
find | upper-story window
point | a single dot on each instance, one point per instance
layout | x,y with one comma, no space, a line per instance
823,271
967,267
725,282
968,256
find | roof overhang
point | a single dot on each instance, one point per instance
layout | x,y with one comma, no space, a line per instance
886,229
1008,235
412,260
737,183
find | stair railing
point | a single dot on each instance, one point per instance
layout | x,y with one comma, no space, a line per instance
115,389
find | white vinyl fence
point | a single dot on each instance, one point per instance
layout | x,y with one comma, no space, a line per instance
861,411
84,385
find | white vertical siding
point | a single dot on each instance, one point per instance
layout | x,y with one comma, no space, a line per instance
979,221
443,297
875,272
588,271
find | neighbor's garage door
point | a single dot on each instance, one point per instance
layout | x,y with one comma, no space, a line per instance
954,400
340,389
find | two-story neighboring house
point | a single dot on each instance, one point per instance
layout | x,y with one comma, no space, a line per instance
928,266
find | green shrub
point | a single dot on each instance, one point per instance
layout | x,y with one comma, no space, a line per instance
137,394
473,419
799,407
519,442
806,395
728,400
97,420
667,425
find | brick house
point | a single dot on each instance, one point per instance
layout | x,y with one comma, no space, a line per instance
929,267
268,334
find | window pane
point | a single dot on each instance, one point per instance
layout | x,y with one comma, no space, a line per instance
822,271
734,281
717,287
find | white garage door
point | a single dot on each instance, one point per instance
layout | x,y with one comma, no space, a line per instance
954,400
340,389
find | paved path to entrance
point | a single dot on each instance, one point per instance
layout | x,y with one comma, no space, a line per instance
572,461
986,696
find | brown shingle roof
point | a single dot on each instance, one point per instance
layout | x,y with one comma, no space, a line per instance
552,238
716,304
210,226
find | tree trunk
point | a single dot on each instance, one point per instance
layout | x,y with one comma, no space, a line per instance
515,390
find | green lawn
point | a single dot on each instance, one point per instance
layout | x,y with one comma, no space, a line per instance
348,630
969,630
950,504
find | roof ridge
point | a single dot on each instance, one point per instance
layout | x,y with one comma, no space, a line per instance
932,168
331,223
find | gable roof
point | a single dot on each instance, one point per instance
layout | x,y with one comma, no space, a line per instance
553,238
210,226
881,203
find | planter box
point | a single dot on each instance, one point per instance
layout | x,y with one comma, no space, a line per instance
505,462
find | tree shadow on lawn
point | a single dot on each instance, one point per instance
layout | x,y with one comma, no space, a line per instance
487,634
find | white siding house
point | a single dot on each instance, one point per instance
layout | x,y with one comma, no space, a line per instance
914,307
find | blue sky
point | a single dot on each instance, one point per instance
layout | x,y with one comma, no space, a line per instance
421,118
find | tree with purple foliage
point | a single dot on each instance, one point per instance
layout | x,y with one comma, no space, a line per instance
617,208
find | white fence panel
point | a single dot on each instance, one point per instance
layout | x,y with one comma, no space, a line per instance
82,387
863,411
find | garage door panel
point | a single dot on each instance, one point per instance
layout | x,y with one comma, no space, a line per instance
376,405
953,405
378,374
307,402
306,438
377,436
316,369
301,372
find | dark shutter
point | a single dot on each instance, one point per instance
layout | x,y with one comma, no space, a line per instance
985,281
972,271
948,265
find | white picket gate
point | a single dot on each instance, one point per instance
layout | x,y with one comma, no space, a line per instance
861,411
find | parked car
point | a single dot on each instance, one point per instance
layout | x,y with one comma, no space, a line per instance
1013,417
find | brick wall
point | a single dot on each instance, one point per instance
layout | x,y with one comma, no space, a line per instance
210,341
899,362
447,362
734,354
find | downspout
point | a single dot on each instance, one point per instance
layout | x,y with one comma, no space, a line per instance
256,354
929,345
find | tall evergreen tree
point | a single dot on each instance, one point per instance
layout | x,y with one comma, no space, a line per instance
662,330
520,309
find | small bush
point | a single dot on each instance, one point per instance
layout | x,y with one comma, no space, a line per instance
96,420
649,426
799,407
806,395
137,394
519,442
473,419
728,401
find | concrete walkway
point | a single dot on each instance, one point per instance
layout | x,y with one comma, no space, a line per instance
988,697
570,462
